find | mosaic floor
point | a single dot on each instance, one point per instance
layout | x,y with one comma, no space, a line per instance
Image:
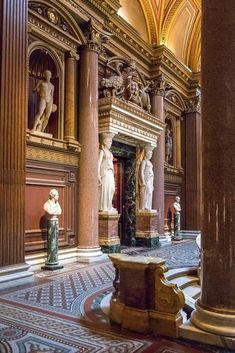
66,312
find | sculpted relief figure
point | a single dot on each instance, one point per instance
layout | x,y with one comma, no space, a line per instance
146,180
46,91
52,206
105,173
144,97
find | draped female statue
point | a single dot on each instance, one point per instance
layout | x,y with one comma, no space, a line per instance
105,173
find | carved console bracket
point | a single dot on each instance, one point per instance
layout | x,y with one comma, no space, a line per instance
143,300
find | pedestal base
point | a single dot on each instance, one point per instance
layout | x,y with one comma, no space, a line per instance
108,232
146,229
52,267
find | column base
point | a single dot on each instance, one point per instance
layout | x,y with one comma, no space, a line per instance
213,322
146,229
89,255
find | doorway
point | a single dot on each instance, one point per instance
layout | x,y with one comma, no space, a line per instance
125,191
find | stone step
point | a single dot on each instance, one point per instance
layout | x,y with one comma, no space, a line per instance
184,281
179,272
193,291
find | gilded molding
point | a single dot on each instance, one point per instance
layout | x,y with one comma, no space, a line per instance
40,153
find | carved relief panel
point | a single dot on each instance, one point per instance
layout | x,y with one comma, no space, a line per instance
124,81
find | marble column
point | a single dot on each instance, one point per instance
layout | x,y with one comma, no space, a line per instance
178,143
158,159
215,310
13,114
70,79
88,249
192,163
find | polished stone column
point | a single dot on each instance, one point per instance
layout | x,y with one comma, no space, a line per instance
215,311
88,249
178,143
192,163
158,159
13,114
70,79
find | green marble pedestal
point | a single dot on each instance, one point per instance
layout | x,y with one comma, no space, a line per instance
52,262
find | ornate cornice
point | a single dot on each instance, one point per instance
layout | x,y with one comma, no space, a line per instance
106,7
41,26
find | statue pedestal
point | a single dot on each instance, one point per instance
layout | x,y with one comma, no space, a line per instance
146,228
52,262
108,231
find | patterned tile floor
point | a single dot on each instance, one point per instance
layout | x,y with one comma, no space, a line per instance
66,312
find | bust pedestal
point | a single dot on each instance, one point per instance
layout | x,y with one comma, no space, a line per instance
146,228
52,262
108,231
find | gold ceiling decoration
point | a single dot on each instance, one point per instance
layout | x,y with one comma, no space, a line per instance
175,23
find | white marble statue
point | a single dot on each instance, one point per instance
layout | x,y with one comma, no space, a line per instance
105,173
146,180
52,206
46,91
168,146
177,209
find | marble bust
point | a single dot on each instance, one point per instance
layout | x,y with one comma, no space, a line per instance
146,180
105,173
52,206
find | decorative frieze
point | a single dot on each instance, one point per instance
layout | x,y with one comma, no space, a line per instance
41,153
129,121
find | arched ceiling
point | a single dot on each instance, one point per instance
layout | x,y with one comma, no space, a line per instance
174,23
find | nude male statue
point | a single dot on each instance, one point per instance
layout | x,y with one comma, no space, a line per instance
46,106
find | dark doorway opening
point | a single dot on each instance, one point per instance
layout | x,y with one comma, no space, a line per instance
125,191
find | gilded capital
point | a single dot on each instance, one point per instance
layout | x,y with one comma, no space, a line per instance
159,85
71,55
95,37
193,104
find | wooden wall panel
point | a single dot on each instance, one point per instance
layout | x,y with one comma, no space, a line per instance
41,177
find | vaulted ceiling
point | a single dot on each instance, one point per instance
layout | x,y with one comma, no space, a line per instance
175,23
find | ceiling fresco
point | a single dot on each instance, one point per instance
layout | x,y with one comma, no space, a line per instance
174,23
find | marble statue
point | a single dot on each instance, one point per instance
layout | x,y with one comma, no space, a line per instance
105,173
46,91
177,211
53,210
168,145
146,180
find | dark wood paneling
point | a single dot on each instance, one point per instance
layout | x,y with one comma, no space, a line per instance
40,178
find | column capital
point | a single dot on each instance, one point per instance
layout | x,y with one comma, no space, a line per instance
193,104
95,37
159,85
71,55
